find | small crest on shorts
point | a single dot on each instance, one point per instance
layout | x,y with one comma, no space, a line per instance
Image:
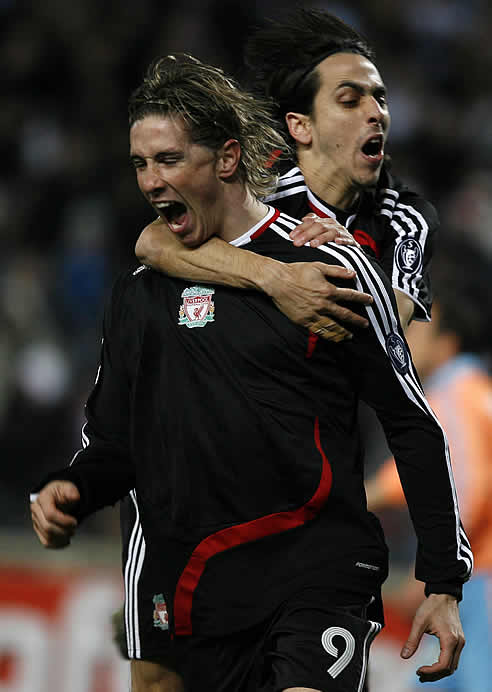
409,256
398,352
160,612
197,308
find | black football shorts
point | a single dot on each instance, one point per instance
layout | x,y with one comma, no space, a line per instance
312,641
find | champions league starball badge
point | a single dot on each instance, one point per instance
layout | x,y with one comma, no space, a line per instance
409,256
398,353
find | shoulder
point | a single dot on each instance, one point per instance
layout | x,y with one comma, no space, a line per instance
130,290
290,182
399,204
351,257
128,280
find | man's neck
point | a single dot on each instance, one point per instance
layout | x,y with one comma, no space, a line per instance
332,188
242,211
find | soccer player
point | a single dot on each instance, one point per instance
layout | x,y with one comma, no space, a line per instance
238,428
331,103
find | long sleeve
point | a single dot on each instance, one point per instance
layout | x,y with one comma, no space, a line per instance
386,379
103,468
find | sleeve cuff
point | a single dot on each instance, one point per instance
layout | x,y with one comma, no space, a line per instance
455,590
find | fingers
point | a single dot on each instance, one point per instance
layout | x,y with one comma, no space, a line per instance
317,231
437,615
350,294
411,645
50,513
51,536
451,648
353,296
334,271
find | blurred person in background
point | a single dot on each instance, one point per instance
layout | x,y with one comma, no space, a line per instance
452,355
210,170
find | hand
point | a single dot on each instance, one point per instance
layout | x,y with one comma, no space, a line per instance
302,292
437,615
50,513
318,231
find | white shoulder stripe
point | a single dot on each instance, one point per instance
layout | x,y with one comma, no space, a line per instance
285,193
388,202
283,181
390,191
408,224
295,170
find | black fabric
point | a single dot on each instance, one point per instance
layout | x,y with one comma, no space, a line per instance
244,421
291,649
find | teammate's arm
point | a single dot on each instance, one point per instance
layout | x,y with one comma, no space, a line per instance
304,294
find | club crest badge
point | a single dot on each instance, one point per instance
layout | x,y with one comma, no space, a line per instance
197,308
409,256
160,612
398,352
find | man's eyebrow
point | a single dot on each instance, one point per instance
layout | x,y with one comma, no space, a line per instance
160,154
377,88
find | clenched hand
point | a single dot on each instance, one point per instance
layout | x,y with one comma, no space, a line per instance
51,513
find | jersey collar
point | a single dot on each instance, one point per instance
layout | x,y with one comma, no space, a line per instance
258,228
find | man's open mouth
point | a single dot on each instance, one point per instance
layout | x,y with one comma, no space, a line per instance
173,212
373,147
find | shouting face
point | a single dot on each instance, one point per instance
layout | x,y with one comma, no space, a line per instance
342,142
178,177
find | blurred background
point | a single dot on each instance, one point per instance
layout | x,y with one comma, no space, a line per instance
70,213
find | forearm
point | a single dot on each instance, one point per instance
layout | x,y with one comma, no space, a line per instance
214,262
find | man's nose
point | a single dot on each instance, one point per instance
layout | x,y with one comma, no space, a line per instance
377,113
151,181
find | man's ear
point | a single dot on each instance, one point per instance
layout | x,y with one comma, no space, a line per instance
228,158
299,126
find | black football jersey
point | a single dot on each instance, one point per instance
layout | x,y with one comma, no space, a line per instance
238,430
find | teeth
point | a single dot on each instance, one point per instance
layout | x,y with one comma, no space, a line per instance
163,205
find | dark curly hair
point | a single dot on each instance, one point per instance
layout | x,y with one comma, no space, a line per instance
282,56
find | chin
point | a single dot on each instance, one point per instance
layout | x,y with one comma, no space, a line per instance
369,179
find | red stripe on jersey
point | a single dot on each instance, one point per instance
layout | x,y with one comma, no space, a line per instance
365,239
245,533
312,341
263,228
318,211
